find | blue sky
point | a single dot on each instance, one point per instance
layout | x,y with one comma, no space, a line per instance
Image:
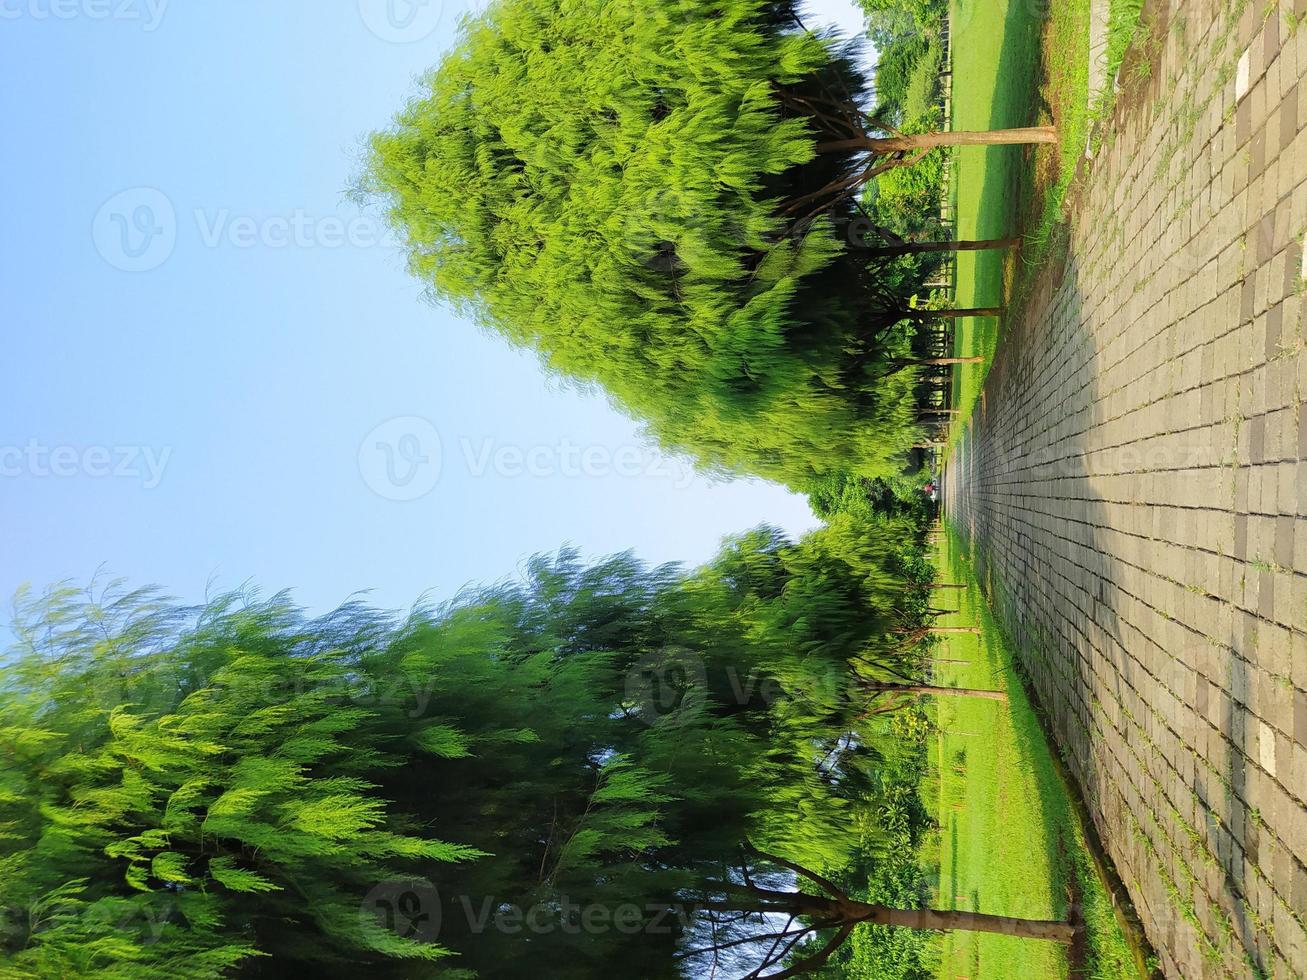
217,369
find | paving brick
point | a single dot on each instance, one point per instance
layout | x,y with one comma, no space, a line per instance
1132,481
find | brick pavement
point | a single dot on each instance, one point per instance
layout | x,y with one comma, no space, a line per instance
1134,487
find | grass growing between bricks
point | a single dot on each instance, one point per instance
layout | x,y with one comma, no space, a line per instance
1010,839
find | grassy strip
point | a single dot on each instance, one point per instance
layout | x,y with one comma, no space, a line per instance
995,51
1010,838
1076,110
1013,65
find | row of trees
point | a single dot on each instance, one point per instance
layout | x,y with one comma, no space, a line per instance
606,769
675,203
602,770
657,199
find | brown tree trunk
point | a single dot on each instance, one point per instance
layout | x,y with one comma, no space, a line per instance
929,141
935,361
917,248
886,687
959,313
835,910
845,913
1005,925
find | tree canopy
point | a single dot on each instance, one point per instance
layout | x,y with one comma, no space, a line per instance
635,192
237,788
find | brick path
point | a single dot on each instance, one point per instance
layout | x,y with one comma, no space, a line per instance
1134,486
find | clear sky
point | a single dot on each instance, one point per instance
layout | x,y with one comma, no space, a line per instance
217,370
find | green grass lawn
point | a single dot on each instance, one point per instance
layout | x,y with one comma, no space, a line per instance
1010,840
995,53
1018,63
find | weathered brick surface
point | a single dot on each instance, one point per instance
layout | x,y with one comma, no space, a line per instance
1134,482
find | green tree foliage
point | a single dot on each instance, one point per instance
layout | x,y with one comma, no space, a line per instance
907,199
885,866
186,791
900,46
235,788
898,497
634,191
924,14
598,770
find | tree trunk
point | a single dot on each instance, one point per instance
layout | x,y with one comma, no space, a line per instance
886,687
845,913
884,145
955,629
916,248
958,314
1004,925
934,361
835,910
